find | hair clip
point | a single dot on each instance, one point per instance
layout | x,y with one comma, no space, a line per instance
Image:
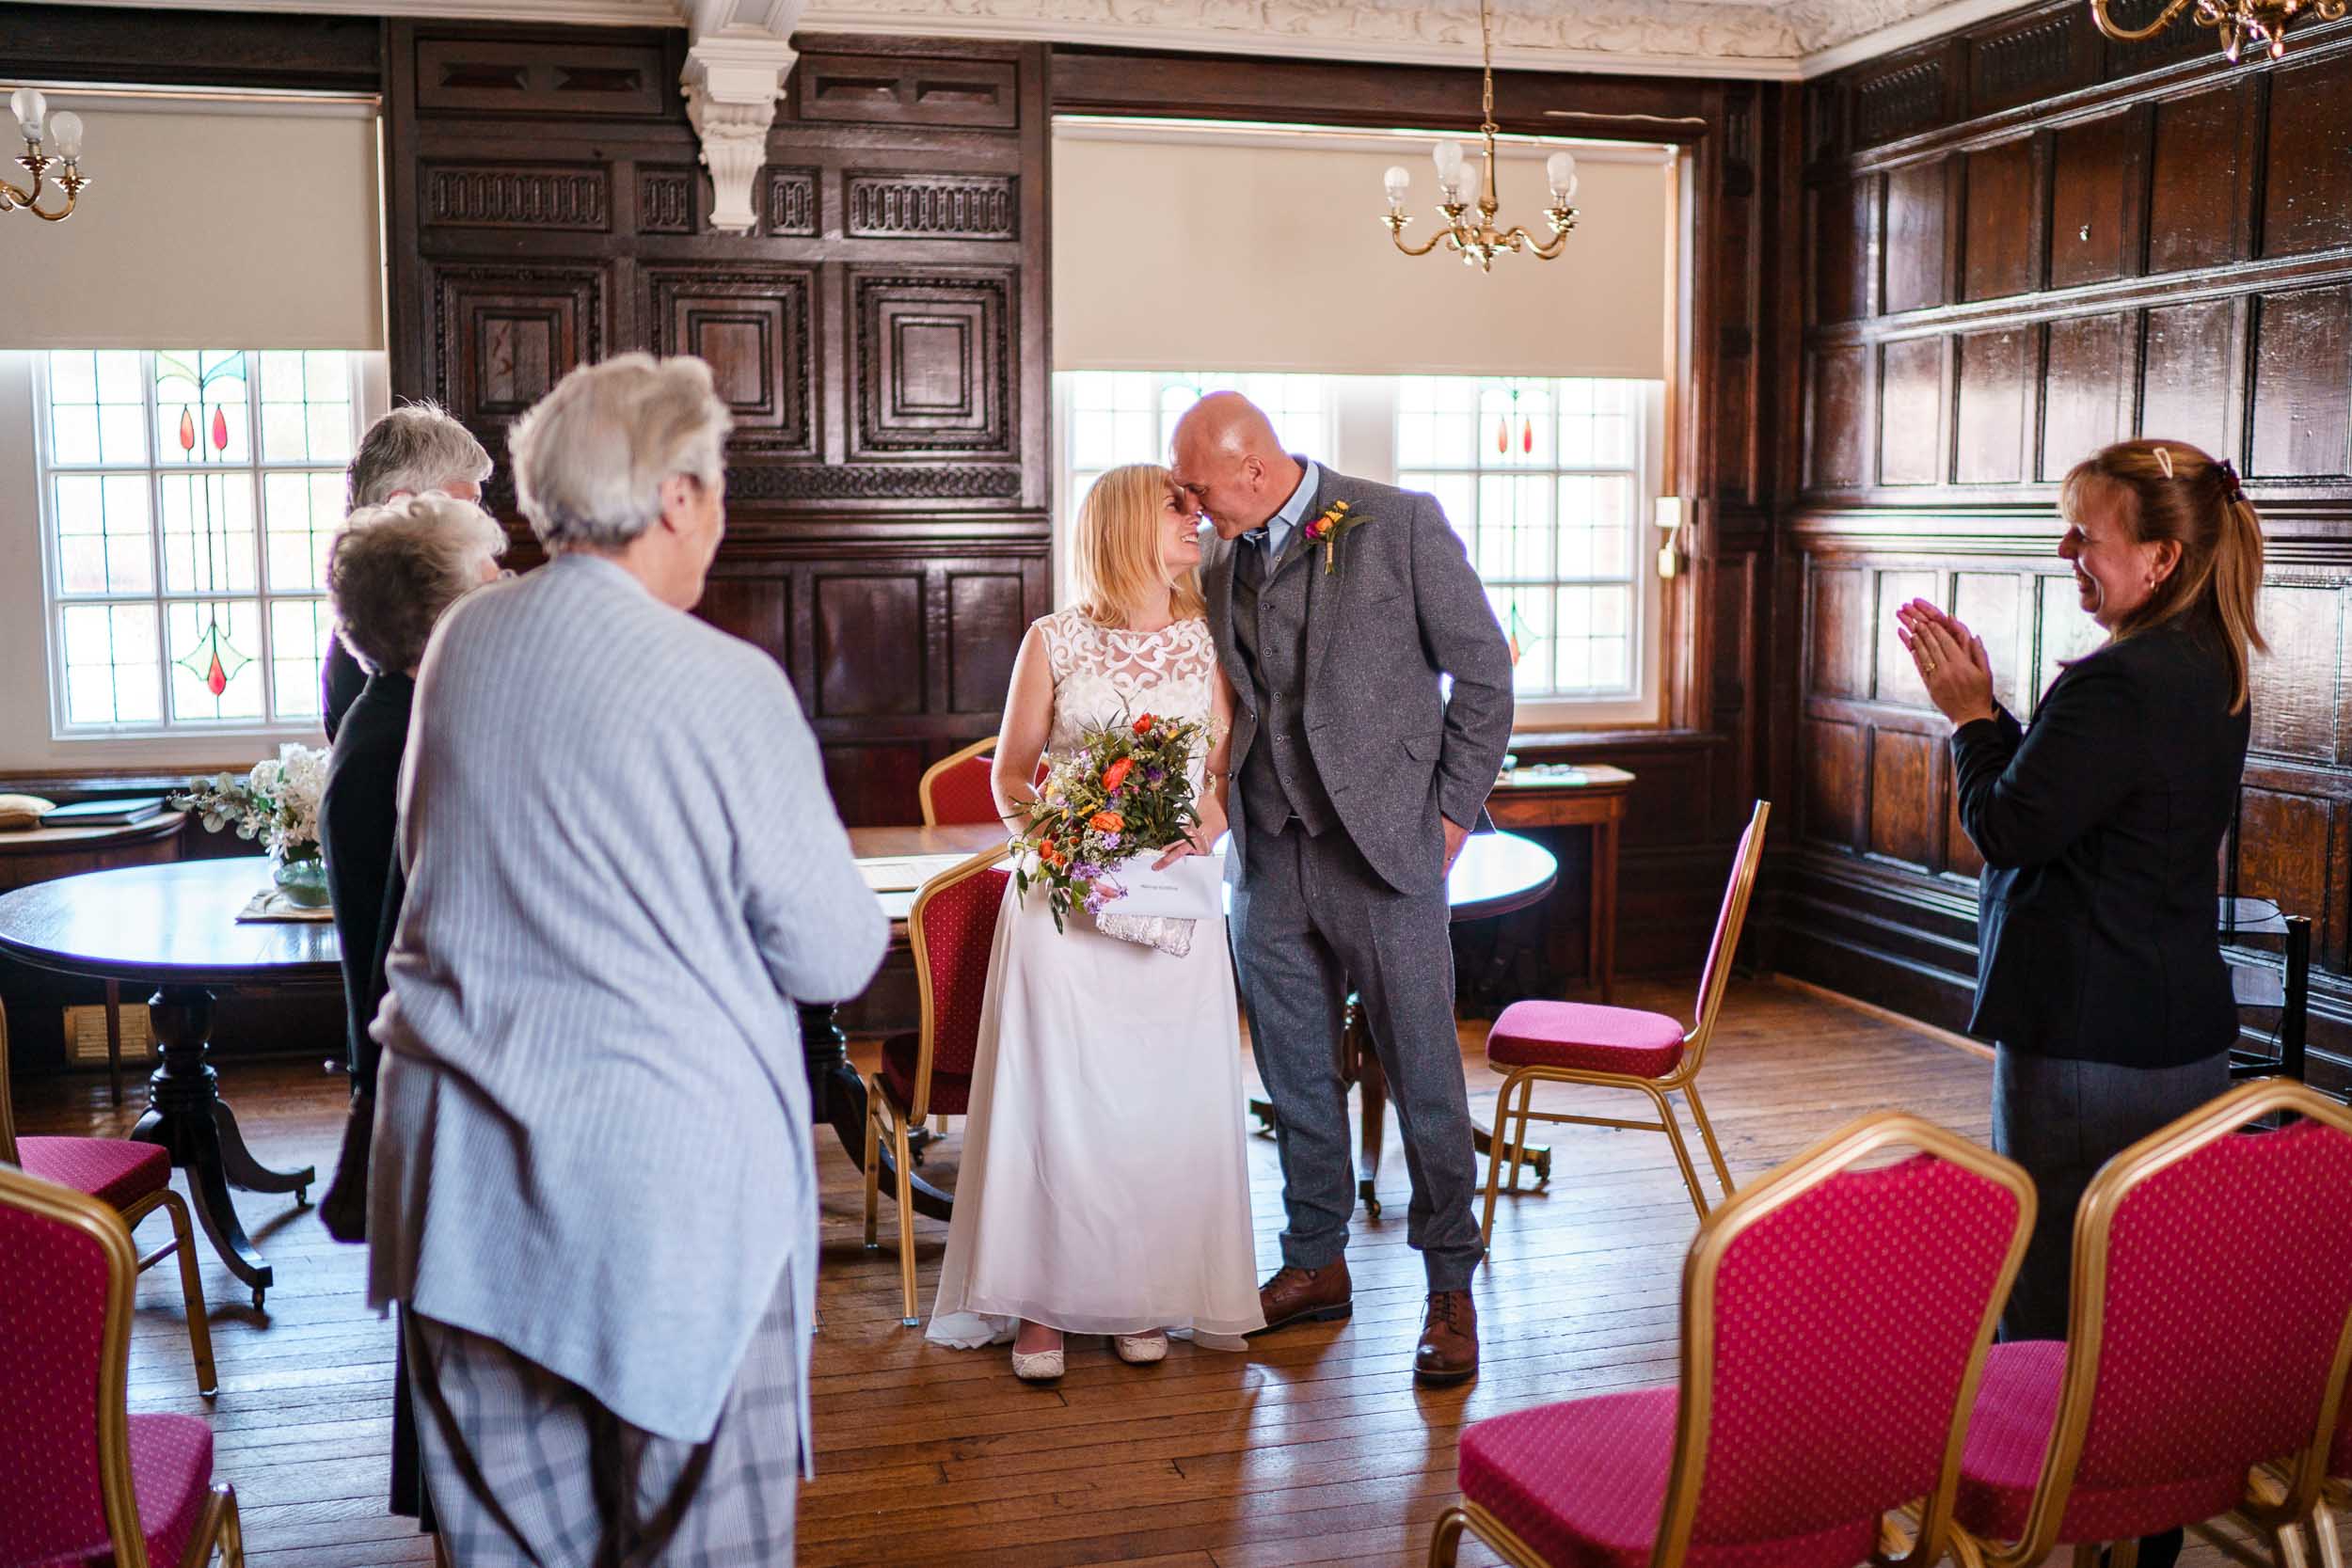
2228,470
2164,461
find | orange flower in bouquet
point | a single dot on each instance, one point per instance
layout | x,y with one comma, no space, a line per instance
1124,790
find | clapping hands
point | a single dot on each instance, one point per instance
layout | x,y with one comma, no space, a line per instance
1951,661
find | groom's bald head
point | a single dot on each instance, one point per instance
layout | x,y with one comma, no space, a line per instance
1228,460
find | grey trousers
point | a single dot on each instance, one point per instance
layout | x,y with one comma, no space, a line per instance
526,1468
2063,1120
1310,919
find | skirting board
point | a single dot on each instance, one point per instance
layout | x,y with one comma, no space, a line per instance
1944,1036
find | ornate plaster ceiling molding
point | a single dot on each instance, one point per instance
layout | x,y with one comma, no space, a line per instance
1769,38
736,58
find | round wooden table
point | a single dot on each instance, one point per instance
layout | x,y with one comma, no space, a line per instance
1496,874
174,928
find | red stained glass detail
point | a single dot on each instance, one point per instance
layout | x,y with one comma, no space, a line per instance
220,430
187,431
217,678
1527,436
1502,435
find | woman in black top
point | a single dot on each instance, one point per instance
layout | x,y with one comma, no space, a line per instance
2099,974
390,573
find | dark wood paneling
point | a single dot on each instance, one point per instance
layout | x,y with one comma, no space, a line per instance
171,48
1918,235
869,646
1841,419
2096,180
879,338
1911,412
1848,225
1833,783
1995,371
1904,822
2186,375
2003,222
2307,162
2197,211
2303,383
1897,678
2087,392
2141,304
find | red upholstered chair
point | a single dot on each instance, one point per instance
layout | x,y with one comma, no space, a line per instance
952,930
134,1179
1835,1321
2208,1335
1620,1048
82,1481
956,787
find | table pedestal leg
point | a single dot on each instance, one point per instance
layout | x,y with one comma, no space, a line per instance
836,1097
185,1117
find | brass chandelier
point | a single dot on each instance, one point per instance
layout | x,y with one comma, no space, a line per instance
1479,241
65,133
2259,23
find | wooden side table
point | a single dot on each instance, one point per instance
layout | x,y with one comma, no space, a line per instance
1591,797
43,854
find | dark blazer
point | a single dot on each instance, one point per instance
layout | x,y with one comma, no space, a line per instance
2101,829
1400,608
341,678
358,823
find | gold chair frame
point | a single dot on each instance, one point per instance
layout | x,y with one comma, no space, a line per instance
2276,1508
218,1525
182,1237
953,759
1701,1268
1683,1080
878,1108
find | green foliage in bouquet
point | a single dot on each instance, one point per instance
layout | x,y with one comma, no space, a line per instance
1125,789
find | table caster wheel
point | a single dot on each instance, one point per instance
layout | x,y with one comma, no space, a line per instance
302,1197
257,1299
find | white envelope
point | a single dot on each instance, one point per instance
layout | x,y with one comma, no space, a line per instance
1192,889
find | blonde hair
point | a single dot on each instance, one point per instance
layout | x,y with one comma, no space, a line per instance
2171,490
394,568
1115,550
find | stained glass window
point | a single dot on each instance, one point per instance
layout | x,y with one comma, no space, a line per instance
1542,479
191,494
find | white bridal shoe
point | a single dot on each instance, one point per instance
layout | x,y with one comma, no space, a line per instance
1044,1367
1141,1349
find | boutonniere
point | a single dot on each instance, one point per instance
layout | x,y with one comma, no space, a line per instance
1327,530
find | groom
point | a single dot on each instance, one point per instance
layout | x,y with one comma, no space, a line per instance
1337,605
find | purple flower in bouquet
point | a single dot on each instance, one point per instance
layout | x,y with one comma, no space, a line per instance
1110,841
1155,775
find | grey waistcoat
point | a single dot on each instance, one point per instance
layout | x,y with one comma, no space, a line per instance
1279,777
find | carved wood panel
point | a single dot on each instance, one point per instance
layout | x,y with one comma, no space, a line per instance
752,326
2003,221
2096,180
2190,352
933,371
2308,159
2087,396
507,335
1905,821
1911,411
492,196
2197,212
1918,207
2303,382
509,76
1990,417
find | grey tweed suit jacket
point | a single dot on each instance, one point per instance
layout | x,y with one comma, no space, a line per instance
1400,608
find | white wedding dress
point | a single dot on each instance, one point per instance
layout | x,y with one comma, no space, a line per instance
1104,1187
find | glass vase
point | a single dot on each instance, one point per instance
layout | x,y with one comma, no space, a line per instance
302,878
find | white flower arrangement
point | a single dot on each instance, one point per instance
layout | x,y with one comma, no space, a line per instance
276,801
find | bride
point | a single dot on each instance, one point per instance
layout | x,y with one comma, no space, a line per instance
1103,1188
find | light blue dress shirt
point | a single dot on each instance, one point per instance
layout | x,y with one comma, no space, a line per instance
1279,526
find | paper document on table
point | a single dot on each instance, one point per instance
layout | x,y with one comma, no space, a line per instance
905,873
1192,889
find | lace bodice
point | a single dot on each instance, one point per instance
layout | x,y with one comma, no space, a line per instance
1101,673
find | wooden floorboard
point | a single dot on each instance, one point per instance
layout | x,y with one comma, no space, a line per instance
1315,1448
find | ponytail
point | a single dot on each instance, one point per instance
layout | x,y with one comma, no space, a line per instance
2178,493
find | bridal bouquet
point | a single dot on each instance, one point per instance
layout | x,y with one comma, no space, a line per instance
1124,790
276,801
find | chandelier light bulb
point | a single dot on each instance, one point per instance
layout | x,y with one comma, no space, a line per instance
30,108
1448,157
1561,168
1397,181
66,131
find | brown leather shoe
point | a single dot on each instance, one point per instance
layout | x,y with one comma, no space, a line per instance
1448,1352
1306,1297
